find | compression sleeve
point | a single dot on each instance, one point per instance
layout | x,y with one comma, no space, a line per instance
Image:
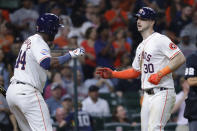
126,74
64,58
45,63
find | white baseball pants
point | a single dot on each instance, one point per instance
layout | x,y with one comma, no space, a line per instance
29,108
156,110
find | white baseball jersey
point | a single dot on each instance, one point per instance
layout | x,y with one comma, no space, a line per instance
153,54
27,68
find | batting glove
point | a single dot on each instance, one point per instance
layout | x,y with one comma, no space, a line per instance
77,52
155,78
105,73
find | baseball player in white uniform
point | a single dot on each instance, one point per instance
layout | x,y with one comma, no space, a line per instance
156,58
24,93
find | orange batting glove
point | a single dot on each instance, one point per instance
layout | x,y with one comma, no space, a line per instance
155,78
105,73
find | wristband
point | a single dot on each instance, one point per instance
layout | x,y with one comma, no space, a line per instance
166,70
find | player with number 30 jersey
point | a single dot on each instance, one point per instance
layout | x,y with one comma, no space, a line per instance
156,58
154,53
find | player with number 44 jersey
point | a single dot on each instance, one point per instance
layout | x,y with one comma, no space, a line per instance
24,95
155,60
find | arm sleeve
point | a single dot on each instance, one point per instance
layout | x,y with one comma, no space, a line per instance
168,48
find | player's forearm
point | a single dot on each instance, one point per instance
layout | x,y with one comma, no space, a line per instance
126,74
174,64
177,61
192,81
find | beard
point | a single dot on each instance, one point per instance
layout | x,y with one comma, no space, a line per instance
51,37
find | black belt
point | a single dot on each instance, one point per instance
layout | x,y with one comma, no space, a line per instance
151,91
19,82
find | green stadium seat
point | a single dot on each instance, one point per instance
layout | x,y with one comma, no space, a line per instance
118,126
131,95
111,98
107,119
137,127
132,104
135,117
98,123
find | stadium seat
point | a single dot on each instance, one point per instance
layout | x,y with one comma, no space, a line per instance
114,126
111,98
132,104
137,127
107,119
135,117
98,123
131,95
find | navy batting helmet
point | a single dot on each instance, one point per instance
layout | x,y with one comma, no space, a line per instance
146,13
48,23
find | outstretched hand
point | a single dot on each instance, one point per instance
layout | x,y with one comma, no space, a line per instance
77,52
105,73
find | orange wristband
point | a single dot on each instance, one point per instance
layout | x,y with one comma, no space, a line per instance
126,74
166,70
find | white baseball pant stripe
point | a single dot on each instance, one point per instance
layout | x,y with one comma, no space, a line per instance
29,108
156,110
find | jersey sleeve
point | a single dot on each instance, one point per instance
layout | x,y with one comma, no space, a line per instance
191,66
40,51
167,47
136,61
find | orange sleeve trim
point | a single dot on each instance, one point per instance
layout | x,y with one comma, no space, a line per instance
175,54
166,70
126,74
43,58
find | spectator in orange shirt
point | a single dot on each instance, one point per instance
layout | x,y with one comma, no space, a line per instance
90,57
116,17
62,41
121,46
127,5
5,14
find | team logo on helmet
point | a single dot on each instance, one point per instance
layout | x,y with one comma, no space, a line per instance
141,11
172,46
149,9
